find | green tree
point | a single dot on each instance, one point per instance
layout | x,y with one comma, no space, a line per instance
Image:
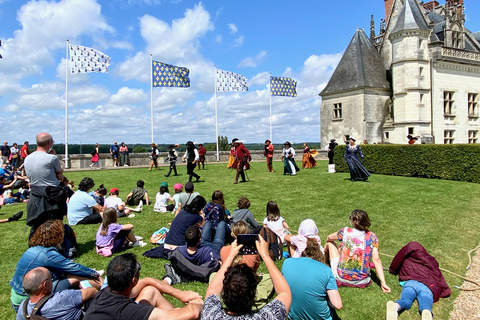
223,144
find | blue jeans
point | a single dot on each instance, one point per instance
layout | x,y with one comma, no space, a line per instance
416,290
218,240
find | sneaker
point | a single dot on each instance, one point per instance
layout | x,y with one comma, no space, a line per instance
426,315
139,243
131,215
392,313
138,238
171,274
16,216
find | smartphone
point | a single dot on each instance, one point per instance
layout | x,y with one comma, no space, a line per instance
248,241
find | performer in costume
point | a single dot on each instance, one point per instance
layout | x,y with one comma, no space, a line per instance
172,157
331,147
231,157
192,157
357,170
308,161
242,157
268,153
289,165
201,154
154,156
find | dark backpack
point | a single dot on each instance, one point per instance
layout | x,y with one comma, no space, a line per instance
274,243
190,272
69,247
38,306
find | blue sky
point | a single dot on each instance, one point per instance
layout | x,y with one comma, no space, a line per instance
303,40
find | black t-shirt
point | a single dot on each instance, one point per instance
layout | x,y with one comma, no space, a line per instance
180,224
109,305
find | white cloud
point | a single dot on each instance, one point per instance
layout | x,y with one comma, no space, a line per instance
175,43
218,38
253,61
238,41
127,95
233,28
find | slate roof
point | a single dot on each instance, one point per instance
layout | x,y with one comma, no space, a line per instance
410,18
361,66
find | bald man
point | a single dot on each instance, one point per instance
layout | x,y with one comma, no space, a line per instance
47,197
62,305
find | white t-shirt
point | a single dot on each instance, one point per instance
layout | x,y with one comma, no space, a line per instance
161,202
275,226
113,202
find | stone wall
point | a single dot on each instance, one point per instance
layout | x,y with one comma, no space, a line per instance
82,161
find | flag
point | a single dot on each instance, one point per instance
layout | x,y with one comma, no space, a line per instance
167,75
229,81
281,86
85,60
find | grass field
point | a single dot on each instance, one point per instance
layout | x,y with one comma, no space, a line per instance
442,215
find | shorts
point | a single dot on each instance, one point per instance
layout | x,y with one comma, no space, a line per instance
334,266
93,218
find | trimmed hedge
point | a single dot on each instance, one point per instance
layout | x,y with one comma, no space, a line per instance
459,162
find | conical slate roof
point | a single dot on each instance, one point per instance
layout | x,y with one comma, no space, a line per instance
361,66
410,18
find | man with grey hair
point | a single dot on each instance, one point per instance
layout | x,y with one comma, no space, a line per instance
5,150
47,197
65,304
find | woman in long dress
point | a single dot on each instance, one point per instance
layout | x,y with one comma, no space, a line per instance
357,170
231,157
288,155
308,161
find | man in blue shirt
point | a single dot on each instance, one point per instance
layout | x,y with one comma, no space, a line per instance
63,305
114,152
199,251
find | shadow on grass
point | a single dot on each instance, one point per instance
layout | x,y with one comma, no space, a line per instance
86,247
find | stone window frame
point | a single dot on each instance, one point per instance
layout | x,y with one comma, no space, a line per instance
337,111
472,104
448,102
448,136
472,136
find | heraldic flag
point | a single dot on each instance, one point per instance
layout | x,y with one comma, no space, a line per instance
281,86
229,81
85,60
167,75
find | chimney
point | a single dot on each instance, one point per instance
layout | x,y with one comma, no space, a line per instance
388,9
429,6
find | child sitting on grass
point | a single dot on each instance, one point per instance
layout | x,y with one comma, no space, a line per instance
111,236
113,201
275,222
162,198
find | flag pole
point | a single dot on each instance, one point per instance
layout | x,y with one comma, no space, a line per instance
271,107
216,123
66,107
151,95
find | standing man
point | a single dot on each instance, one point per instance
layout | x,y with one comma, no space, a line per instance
128,297
65,304
331,147
47,197
114,152
192,157
172,158
201,153
268,153
5,149
242,157
24,152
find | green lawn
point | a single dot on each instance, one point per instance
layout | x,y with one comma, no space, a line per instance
442,215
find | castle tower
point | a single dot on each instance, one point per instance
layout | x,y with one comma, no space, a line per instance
410,68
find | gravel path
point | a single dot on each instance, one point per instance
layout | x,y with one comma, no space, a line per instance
467,305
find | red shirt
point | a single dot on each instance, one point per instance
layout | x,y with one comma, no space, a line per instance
270,151
241,152
24,151
202,151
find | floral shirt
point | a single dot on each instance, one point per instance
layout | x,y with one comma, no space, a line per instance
356,256
214,213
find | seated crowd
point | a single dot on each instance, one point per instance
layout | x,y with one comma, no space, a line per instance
206,243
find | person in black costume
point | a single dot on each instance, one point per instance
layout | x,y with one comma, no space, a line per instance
192,157
357,170
172,157
331,147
